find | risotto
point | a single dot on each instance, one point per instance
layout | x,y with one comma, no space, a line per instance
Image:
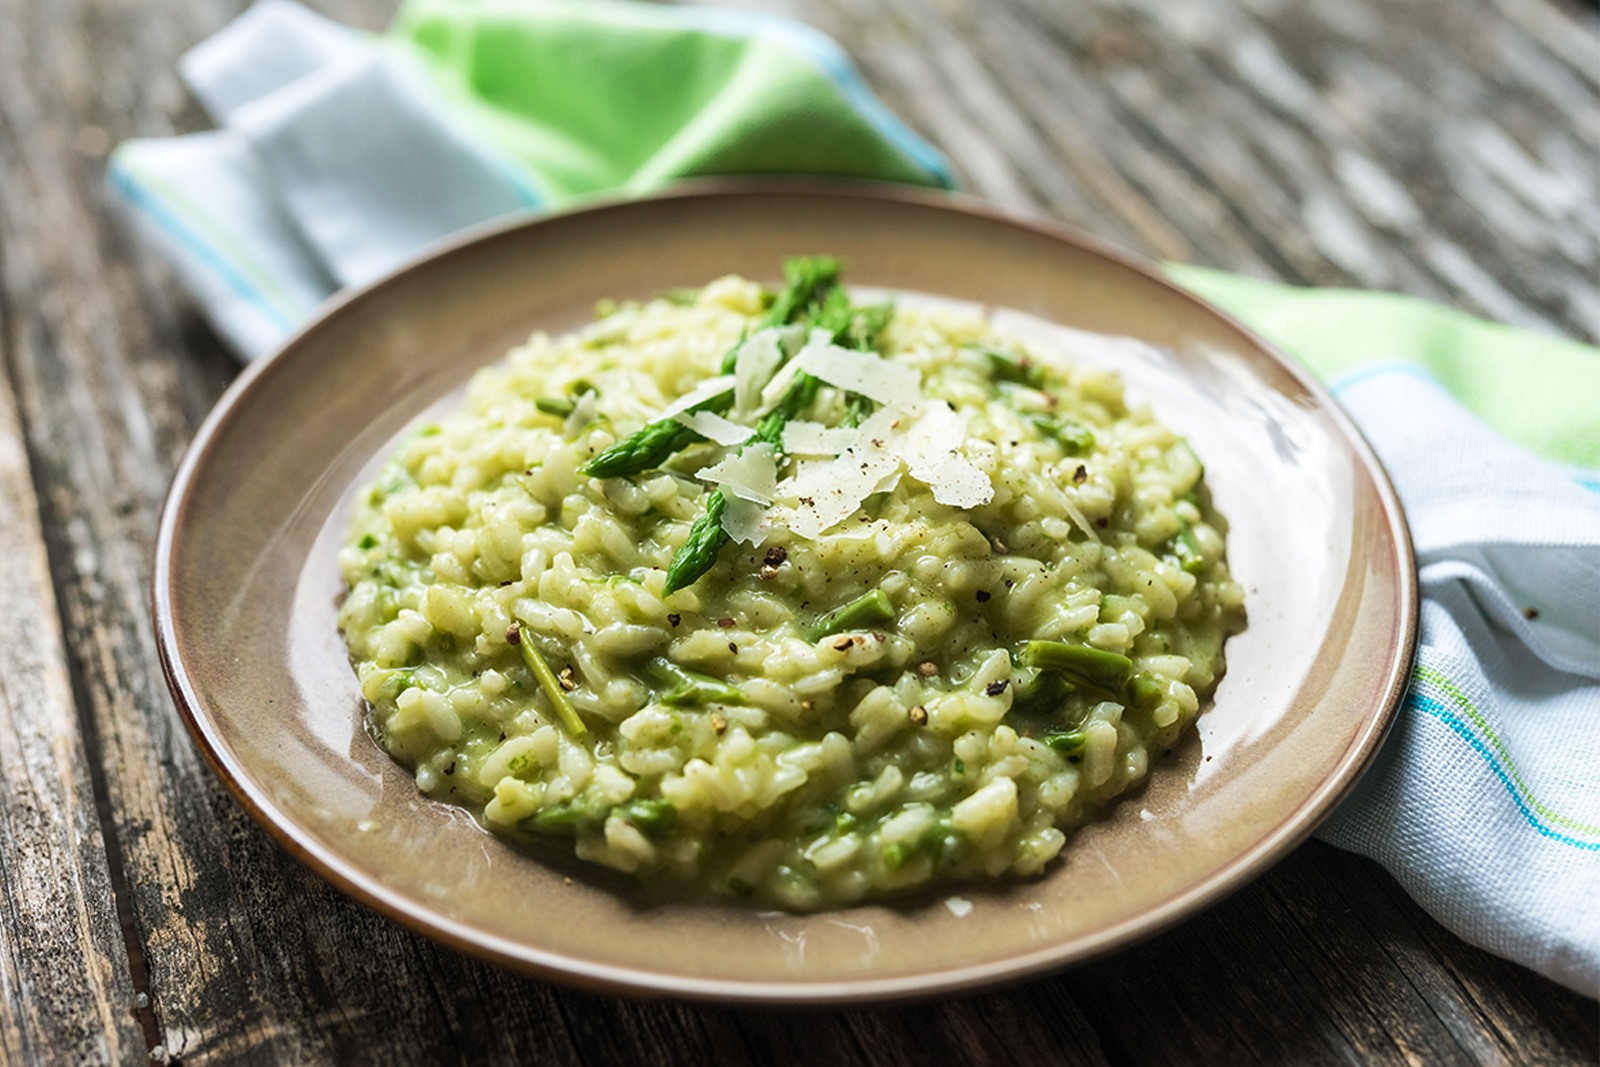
765,596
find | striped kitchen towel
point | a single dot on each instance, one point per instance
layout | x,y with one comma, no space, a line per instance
339,155
1485,801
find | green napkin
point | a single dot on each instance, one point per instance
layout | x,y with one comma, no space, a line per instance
622,96
341,154
1541,392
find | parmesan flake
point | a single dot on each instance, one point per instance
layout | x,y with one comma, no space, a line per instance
750,474
932,453
704,391
866,373
758,358
713,426
583,413
747,521
779,382
801,438
830,490
1076,515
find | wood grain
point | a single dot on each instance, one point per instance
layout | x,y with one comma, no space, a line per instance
1450,151
1446,148
65,986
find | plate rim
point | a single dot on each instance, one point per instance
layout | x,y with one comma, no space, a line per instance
333,867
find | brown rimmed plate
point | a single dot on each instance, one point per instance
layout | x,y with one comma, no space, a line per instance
246,582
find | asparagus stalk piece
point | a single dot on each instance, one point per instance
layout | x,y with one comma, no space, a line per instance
861,329
1186,548
869,609
688,687
547,682
1073,436
1008,367
1069,743
808,280
652,818
1108,670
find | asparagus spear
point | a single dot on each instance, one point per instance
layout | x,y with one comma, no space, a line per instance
650,447
869,609
1108,670
808,280
531,657
689,687
706,536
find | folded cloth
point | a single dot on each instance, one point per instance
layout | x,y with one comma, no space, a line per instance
340,155
1485,800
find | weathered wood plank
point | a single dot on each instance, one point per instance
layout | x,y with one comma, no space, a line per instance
1494,1008
1447,151
1325,960
65,987
65,984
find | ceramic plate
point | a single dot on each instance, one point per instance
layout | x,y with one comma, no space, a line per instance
246,582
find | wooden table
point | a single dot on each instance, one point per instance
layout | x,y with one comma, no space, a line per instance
1445,148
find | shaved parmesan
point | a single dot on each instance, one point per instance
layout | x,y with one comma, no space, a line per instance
956,482
932,453
905,435
830,490
815,439
872,459
704,391
779,383
792,337
750,474
711,425
866,373
887,483
747,521
758,358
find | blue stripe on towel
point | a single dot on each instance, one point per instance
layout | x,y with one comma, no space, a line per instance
1432,707
163,216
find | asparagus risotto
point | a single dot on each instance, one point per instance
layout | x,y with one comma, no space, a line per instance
773,597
